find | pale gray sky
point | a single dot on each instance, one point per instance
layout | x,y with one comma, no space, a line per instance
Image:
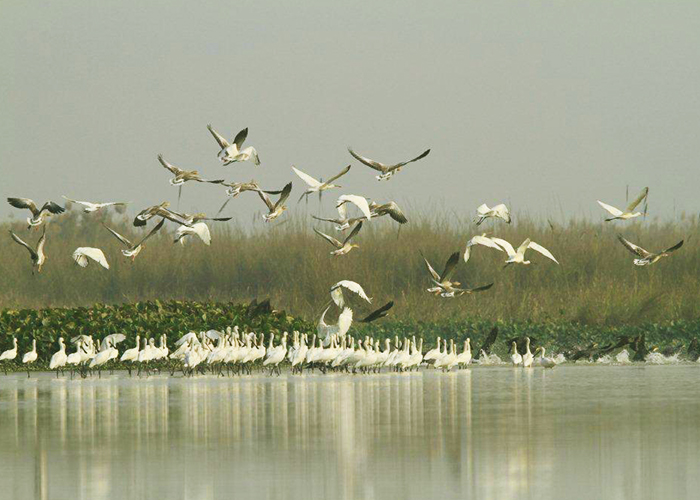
546,105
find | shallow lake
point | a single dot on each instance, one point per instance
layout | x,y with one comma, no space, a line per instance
583,432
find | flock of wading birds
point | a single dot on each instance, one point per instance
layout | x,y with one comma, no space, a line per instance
331,347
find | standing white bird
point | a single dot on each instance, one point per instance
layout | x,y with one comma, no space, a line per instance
316,186
337,292
10,354
618,214
500,211
89,207
647,258
480,239
387,171
232,152
81,254
527,357
518,257
38,214
59,359
359,201
37,255
344,247
132,250
515,357
275,209
30,356
545,361
199,228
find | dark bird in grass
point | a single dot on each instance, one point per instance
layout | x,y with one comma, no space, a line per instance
581,352
693,350
378,314
387,171
640,348
489,340
647,258
38,214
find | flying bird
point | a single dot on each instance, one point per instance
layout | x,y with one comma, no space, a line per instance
618,214
186,219
316,186
236,188
198,228
81,254
647,258
378,313
387,171
38,214
444,286
498,212
480,239
231,153
89,206
275,209
359,201
148,213
182,176
344,247
337,292
132,250
518,257
327,332
391,209
37,255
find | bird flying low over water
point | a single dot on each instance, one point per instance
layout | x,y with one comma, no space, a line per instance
337,292
275,209
647,258
37,255
499,211
316,186
132,250
480,239
444,287
618,214
344,247
391,209
231,153
387,171
378,313
89,206
518,257
38,214
81,254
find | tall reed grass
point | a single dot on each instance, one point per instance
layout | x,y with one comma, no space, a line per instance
596,282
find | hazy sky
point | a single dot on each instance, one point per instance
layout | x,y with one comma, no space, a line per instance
545,105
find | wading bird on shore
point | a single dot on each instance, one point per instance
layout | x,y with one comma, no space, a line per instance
275,209
543,360
30,356
9,355
518,257
37,255
316,186
647,258
81,254
89,207
58,360
231,153
132,250
38,214
499,212
344,247
387,171
618,214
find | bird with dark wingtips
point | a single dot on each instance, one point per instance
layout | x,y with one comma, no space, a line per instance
37,254
38,214
647,258
387,171
232,152
378,313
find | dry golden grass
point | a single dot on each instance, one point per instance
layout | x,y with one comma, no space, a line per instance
595,284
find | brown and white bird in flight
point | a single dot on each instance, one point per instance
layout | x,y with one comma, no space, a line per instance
132,250
316,186
346,245
646,258
38,214
275,209
618,214
37,254
387,171
232,152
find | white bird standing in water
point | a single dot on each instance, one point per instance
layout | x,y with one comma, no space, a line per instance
30,356
518,257
59,359
10,354
544,361
499,212
618,214
527,357
515,357
231,153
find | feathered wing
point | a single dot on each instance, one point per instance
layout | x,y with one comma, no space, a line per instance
359,201
674,247
82,253
419,157
614,211
480,240
539,248
482,210
339,175
502,212
370,163
393,210
450,266
52,207
307,178
264,197
378,313
153,231
121,238
638,199
24,244
219,138
353,287
353,233
432,271
330,239
24,203
636,250
240,138
505,246
172,168
284,195
476,289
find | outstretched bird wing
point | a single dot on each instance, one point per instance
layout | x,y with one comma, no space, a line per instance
636,250
370,163
539,248
24,244
219,138
638,200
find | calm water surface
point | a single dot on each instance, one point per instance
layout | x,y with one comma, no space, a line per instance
583,432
